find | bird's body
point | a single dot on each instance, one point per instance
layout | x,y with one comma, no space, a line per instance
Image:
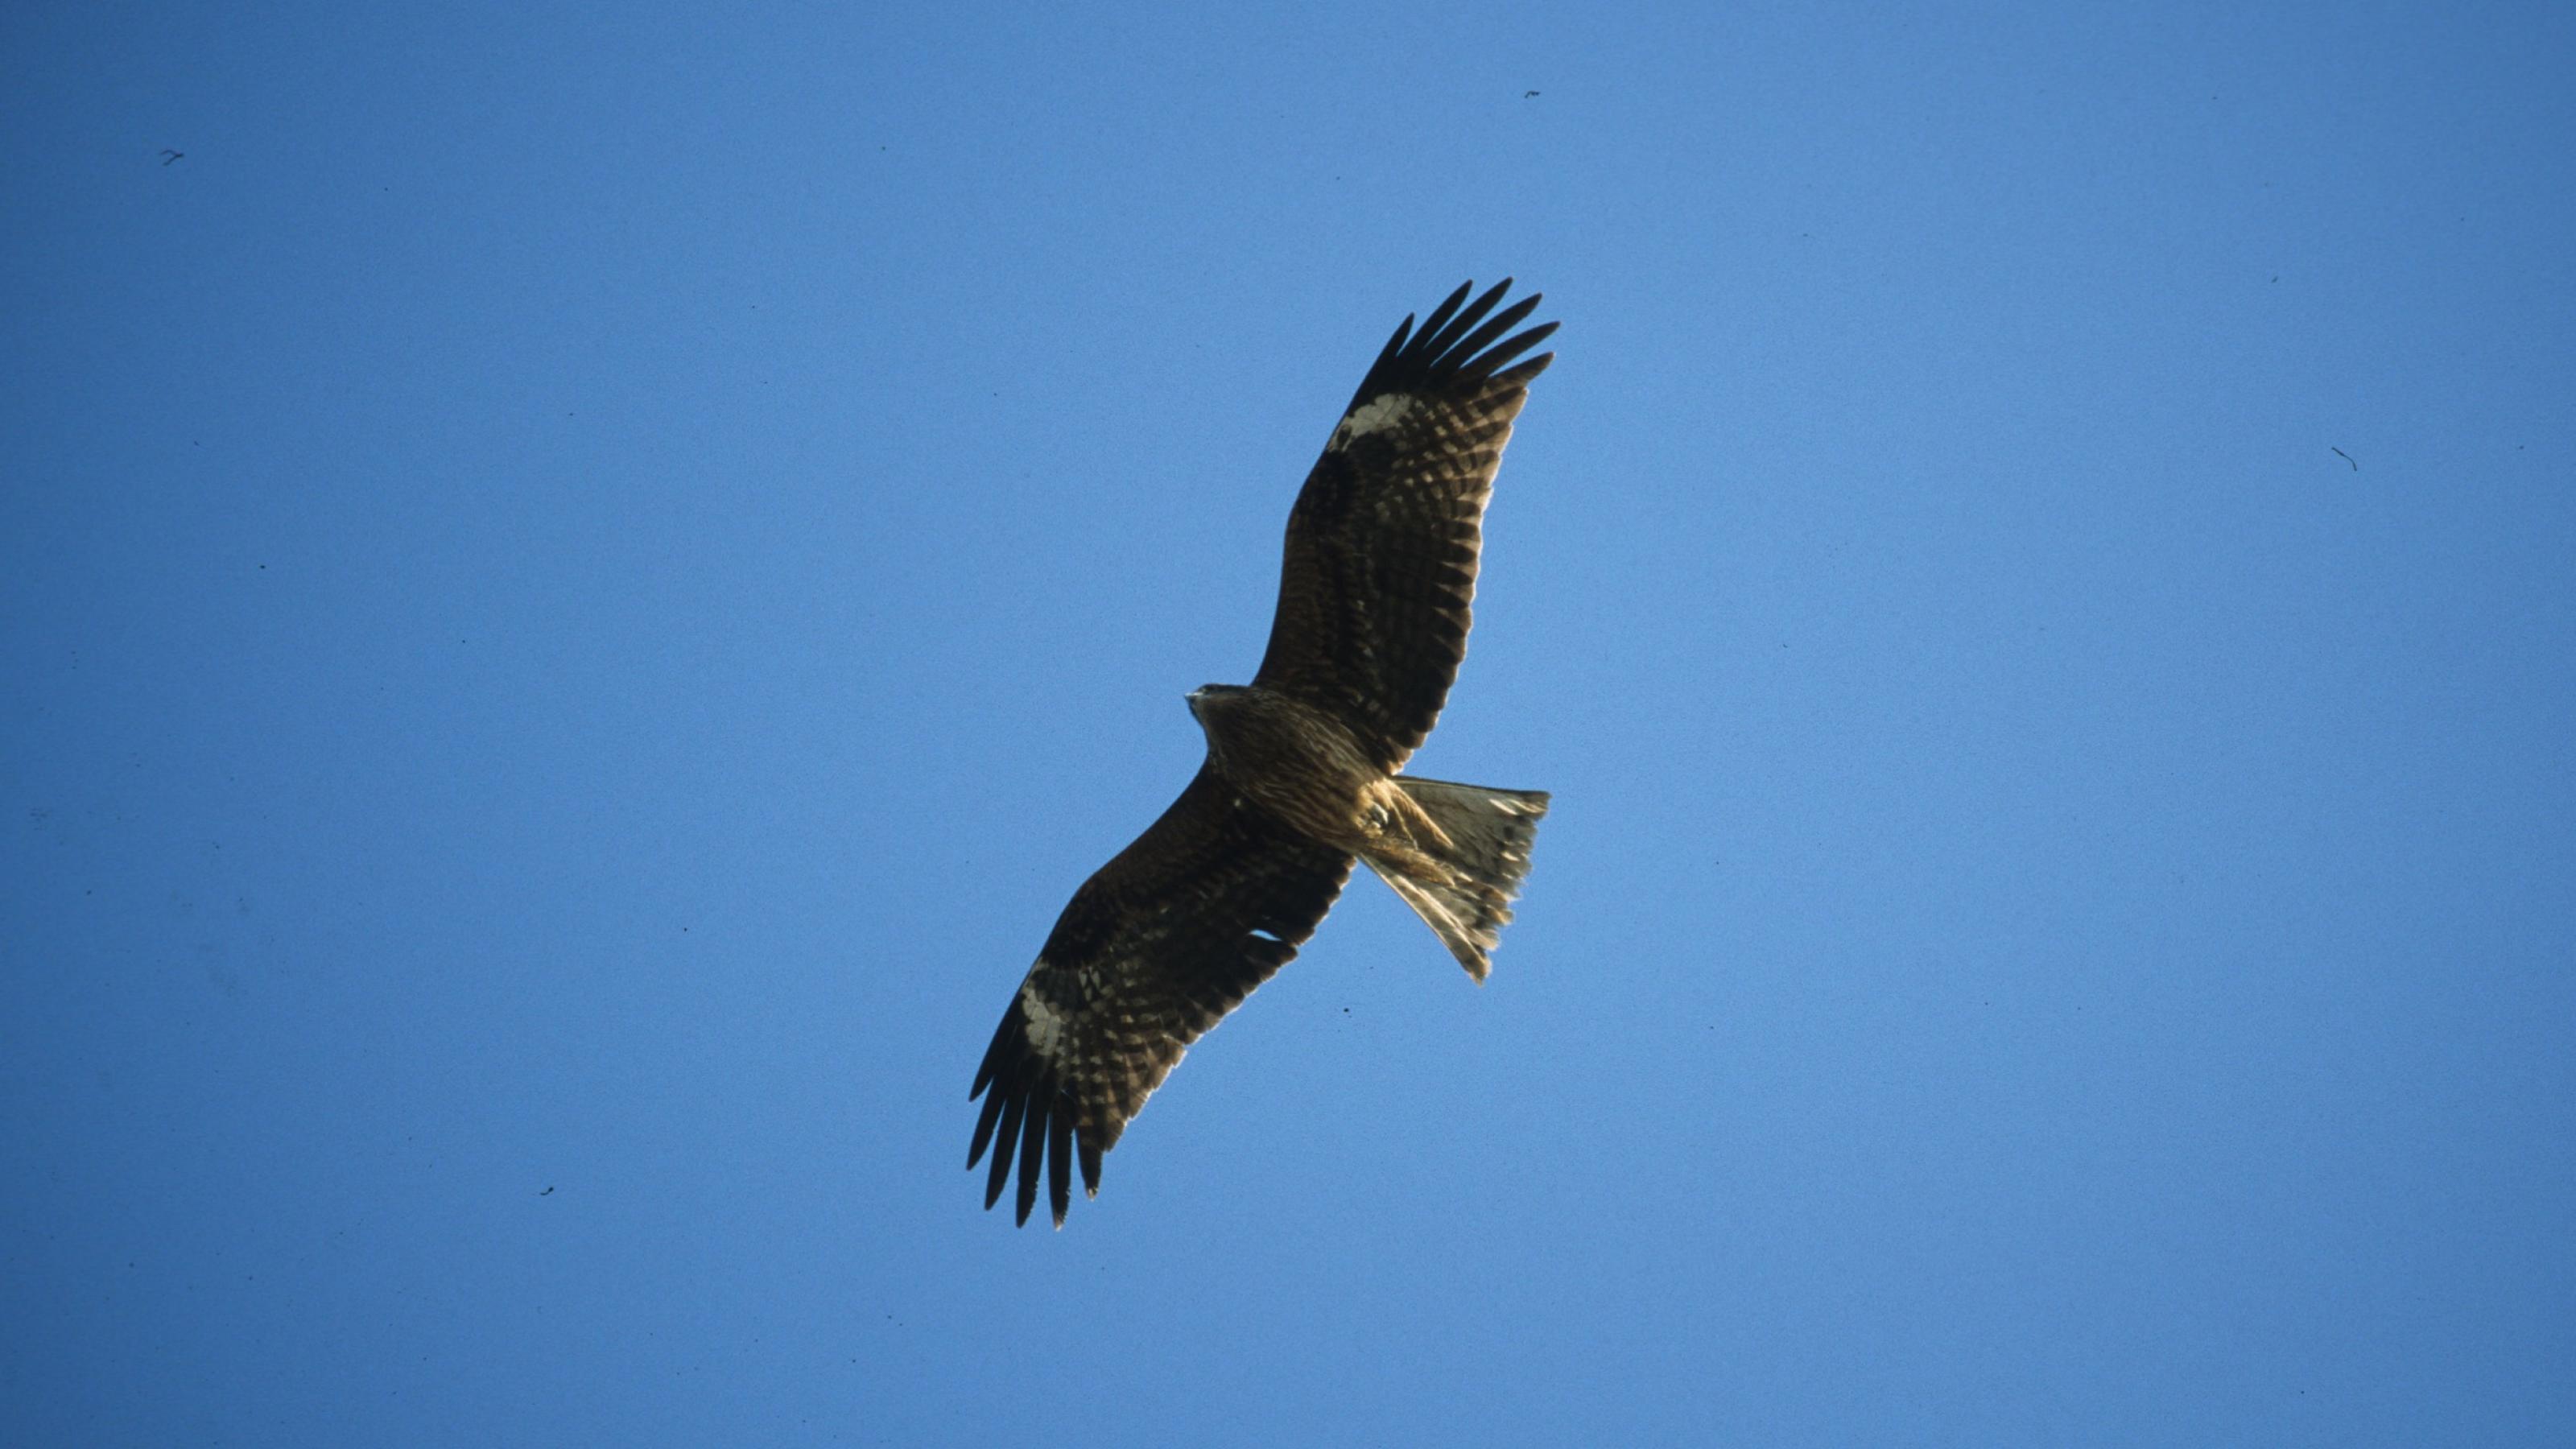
1310,773
1296,762
1303,775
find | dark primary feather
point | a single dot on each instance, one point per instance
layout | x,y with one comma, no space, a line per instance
1380,566
1158,945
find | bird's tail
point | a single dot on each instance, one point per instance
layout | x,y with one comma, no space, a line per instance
1465,892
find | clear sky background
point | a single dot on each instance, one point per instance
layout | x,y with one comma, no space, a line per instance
579,586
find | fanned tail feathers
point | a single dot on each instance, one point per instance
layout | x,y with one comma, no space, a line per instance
1487,855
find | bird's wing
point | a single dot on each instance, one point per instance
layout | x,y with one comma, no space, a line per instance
1162,941
1383,543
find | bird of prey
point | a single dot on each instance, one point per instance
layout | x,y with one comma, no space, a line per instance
1302,770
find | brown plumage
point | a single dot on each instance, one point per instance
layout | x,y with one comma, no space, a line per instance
1301,775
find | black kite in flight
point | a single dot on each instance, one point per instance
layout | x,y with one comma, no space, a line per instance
1301,771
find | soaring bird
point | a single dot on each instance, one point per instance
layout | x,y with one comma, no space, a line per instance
1303,769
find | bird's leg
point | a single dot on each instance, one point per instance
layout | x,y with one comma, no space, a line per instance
1401,836
1419,827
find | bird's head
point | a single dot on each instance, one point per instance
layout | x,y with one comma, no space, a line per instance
1207,694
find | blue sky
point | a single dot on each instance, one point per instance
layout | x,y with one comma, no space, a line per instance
582,585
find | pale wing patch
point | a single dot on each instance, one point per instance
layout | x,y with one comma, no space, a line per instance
1046,1024
1375,416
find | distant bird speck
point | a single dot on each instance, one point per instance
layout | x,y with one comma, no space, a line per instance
549,1192
1525,95
2347,457
168,155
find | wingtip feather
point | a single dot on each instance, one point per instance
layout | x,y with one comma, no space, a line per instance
1032,1153
1004,1141
1060,1163
984,1130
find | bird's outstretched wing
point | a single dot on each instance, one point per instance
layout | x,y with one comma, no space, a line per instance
1159,944
1383,543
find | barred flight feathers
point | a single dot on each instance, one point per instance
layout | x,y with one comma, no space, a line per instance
1384,543
1158,945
